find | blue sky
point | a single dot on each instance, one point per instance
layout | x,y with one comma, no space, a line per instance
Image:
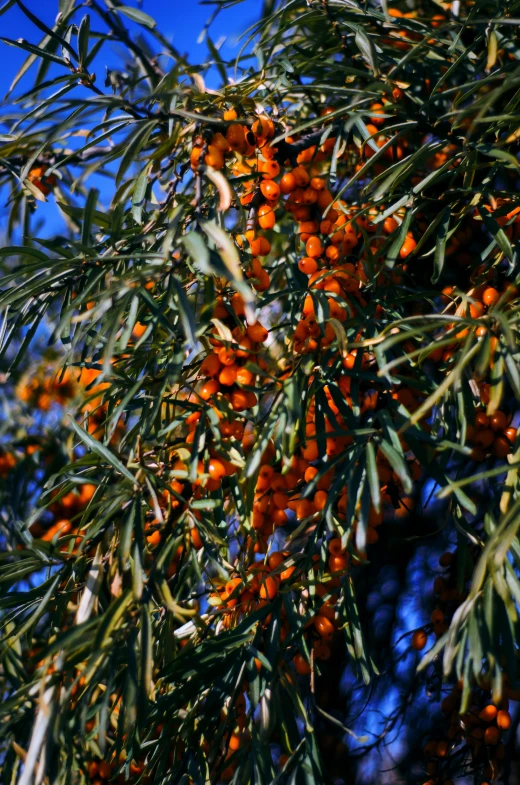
179,20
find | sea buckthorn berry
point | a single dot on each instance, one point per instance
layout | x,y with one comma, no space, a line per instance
503,720
244,376
338,563
476,310
389,225
498,421
308,265
210,366
288,183
447,559
214,157
324,627
226,356
263,127
501,447
301,664
377,110
228,375
491,736
269,169
488,713
236,137
210,388
301,176
270,190
266,216
419,640
490,297
510,434
313,247
268,588
257,332
408,246
260,246
481,420
484,438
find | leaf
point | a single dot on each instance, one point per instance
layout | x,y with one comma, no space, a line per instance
373,477
136,15
229,255
492,50
138,197
102,451
83,40
397,243
366,47
47,30
90,208
198,251
35,50
498,233
186,314
440,244
94,141
223,187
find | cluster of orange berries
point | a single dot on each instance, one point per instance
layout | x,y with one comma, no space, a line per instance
477,732
44,387
66,511
226,366
491,435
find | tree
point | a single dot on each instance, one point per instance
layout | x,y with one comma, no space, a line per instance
263,384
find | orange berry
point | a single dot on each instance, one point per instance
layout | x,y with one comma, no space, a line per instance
313,247
228,375
266,216
510,434
210,388
269,169
504,720
338,563
287,183
210,365
481,420
490,297
301,176
257,332
226,356
301,664
492,736
244,376
488,713
270,190
324,627
408,246
498,421
268,588
419,640
307,265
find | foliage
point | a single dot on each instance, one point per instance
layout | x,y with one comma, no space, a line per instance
283,320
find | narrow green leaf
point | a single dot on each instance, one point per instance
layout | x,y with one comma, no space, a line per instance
136,15
35,50
102,451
